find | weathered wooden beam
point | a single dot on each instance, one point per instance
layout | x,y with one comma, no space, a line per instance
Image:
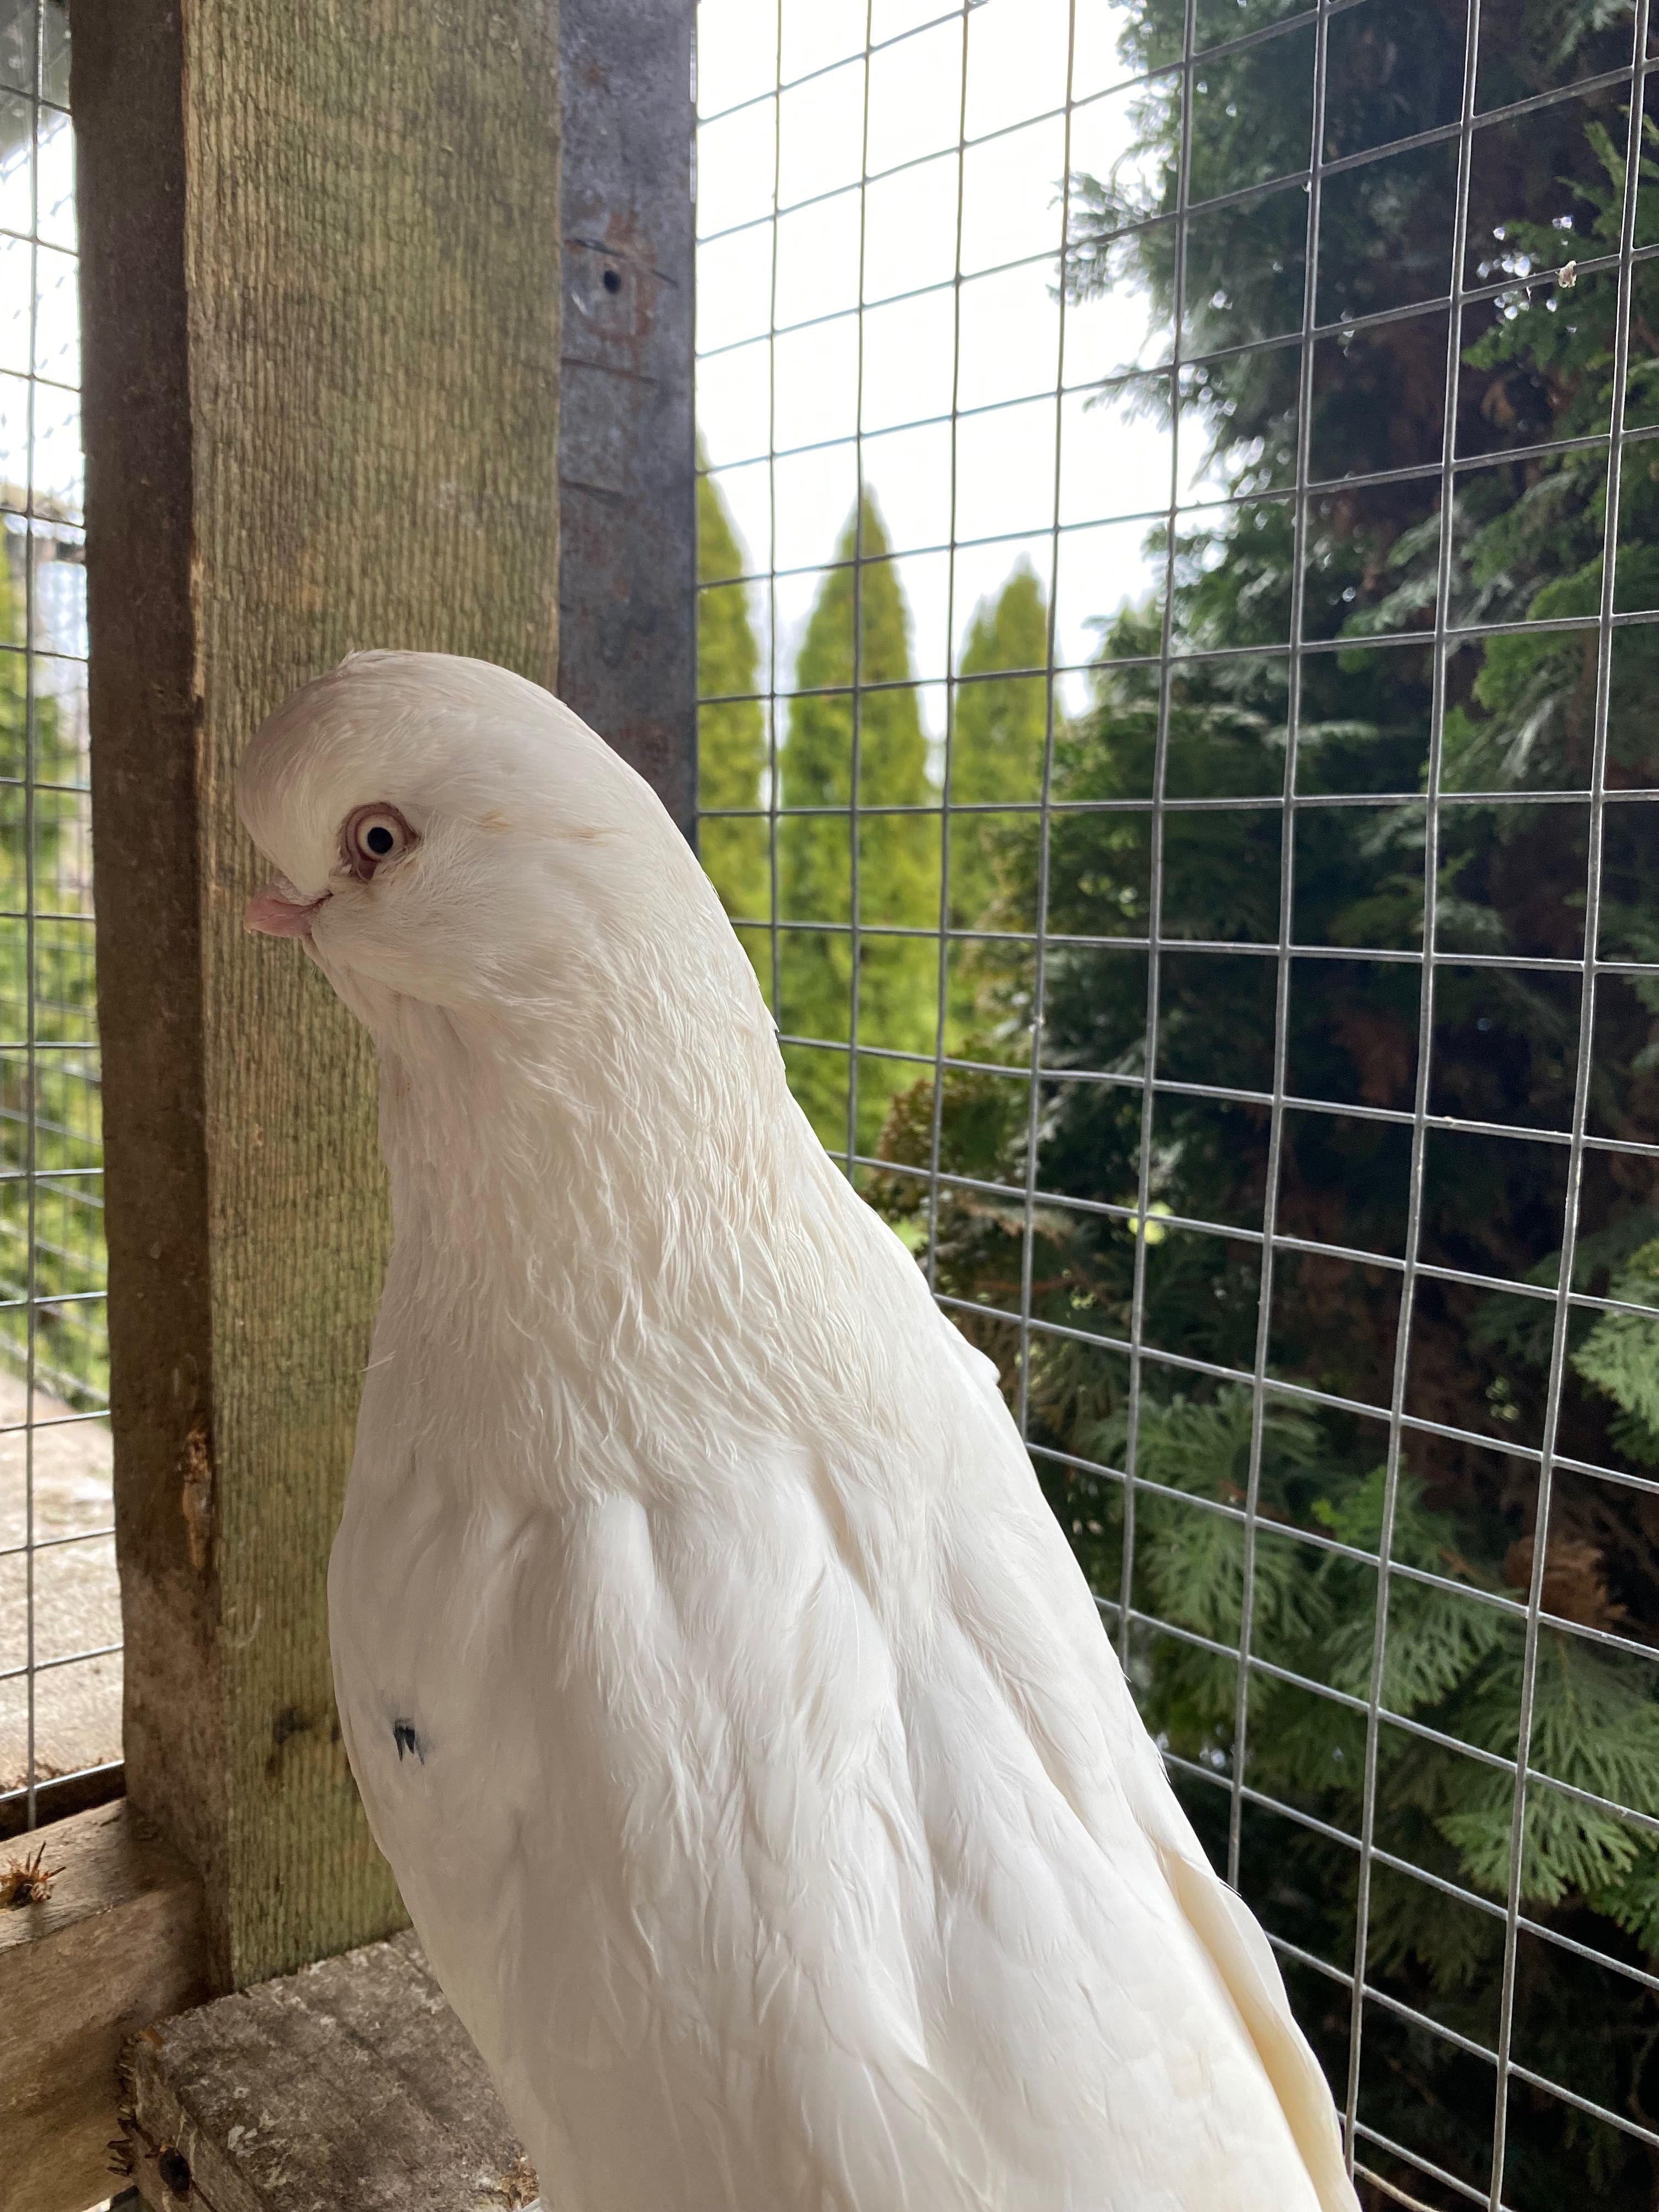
627,575
116,1944
350,2084
321,293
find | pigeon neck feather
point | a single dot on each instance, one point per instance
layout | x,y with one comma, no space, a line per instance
607,1134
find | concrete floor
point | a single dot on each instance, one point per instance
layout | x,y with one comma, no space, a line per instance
77,1600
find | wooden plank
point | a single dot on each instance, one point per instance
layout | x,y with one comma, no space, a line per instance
348,2084
116,1944
628,578
321,293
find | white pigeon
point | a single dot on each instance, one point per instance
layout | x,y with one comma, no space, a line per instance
743,1736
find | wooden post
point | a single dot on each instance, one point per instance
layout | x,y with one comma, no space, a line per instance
321,287
351,2084
627,586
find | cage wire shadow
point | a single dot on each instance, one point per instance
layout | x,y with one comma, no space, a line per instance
60,1617
1396,2171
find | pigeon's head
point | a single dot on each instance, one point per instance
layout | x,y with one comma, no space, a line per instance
447,832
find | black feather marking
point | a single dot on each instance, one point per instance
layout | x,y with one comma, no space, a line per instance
403,1735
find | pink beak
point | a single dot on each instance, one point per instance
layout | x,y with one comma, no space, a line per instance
278,910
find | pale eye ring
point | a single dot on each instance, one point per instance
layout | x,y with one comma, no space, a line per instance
371,836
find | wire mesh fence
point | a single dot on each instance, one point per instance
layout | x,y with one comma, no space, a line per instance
1177,597
60,1610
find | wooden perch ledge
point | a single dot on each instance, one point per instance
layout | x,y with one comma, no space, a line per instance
115,1943
350,2084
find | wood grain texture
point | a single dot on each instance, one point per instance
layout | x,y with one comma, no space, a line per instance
627,586
144,712
349,2084
321,287
115,1945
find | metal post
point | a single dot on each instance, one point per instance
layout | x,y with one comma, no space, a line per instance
628,530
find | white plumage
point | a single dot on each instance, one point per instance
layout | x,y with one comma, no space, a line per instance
741,1730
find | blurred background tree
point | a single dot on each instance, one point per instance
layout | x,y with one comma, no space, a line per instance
859,625
49,1115
731,715
998,737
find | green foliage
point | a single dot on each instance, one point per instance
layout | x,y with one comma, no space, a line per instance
1190,1557
997,743
858,630
1595,1726
50,1117
1620,1357
1436,1637
1451,1657
1528,539
731,731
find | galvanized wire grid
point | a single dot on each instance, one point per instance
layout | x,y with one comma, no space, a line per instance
1370,1848
60,1616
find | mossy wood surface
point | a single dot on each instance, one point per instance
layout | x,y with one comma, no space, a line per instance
321,285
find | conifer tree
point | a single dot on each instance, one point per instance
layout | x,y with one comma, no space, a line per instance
731,731
996,759
898,867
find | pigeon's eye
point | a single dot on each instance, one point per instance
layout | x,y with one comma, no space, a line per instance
373,836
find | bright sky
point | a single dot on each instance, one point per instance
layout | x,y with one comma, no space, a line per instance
58,473
1115,459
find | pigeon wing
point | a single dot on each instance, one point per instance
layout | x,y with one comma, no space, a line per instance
1033,1615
